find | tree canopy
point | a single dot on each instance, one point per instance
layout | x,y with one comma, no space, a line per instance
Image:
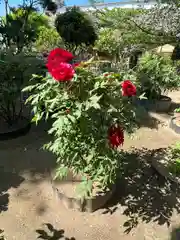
75,27
21,26
133,29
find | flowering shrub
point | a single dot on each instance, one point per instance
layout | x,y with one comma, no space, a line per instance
90,114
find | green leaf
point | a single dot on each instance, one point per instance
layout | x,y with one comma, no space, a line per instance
61,172
37,117
28,88
178,161
93,102
142,96
97,85
84,189
71,118
78,113
57,125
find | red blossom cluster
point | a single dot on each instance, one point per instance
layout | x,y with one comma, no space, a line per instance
116,134
61,70
58,65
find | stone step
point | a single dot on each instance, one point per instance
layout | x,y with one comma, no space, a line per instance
162,117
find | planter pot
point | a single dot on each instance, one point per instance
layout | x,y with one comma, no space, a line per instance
175,124
20,128
161,105
65,192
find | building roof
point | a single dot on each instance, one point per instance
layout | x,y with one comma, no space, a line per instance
125,4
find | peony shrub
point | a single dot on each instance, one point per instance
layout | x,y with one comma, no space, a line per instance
90,112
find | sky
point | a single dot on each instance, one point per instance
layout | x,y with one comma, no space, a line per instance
14,3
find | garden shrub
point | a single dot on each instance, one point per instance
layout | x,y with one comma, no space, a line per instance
155,75
15,72
108,42
48,38
90,112
75,27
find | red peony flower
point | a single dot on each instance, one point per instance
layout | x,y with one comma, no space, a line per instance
59,55
116,136
61,71
128,88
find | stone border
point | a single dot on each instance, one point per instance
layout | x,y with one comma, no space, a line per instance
173,126
162,170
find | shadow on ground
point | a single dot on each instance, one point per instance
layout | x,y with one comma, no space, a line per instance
2,234
143,193
25,154
7,180
51,233
175,234
22,158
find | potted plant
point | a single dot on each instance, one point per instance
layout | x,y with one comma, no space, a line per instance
15,71
156,75
175,121
90,112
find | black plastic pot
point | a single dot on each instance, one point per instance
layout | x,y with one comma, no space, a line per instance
16,131
160,105
174,126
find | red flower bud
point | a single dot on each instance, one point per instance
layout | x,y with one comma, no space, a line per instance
68,111
116,136
106,74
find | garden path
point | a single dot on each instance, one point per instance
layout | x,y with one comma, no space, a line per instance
143,208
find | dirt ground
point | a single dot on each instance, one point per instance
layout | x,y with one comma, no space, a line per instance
144,207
